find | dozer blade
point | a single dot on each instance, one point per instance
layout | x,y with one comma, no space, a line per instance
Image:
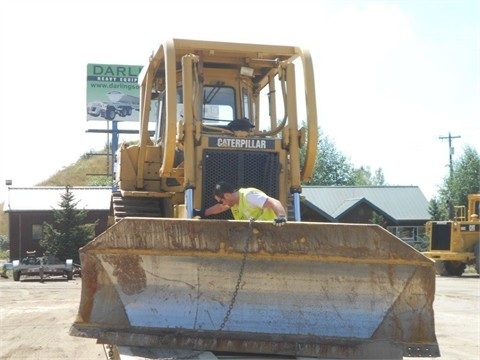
305,289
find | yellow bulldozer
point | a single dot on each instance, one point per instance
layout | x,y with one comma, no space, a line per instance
162,281
454,244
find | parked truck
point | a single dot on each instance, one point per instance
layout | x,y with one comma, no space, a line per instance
160,281
455,243
119,104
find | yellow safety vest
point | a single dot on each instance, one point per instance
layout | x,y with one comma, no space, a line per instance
243,211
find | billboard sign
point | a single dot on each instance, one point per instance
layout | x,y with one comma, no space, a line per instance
113,92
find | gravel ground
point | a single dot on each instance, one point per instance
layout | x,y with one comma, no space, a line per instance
35,319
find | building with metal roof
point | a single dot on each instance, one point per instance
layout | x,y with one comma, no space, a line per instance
398,204
402,209
29,207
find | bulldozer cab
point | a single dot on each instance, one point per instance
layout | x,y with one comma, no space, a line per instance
221,112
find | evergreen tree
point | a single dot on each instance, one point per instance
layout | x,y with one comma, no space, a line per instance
464,180
436,211
378,178
68,233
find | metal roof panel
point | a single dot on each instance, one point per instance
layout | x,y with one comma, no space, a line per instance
400,202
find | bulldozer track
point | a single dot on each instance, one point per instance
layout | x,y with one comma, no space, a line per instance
123,207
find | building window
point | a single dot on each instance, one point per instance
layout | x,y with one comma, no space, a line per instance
37,231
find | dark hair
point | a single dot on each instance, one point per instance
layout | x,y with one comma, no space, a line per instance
223,187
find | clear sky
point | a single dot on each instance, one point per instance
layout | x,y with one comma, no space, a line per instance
392,76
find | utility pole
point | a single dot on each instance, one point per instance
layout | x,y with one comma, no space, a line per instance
451,150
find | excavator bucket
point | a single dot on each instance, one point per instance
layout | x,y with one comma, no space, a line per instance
346,291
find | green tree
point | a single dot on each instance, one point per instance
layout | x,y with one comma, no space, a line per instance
4,243
4,247
363,176
333,168
378,178
68,233
436,211
378,219
464,180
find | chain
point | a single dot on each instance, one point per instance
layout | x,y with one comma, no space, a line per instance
240,275
194,354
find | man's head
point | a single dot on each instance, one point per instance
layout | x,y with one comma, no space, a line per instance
223,193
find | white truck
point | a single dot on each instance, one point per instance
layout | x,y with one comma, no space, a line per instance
120,104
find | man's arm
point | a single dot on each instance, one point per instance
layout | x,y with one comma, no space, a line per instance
276,206
216,209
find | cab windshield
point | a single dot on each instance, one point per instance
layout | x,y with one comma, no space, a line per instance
218,107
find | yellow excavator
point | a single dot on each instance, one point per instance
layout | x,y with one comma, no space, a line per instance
161,281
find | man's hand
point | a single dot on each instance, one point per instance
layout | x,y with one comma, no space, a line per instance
198,213
280,221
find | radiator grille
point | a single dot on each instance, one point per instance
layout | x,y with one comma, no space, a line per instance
441,234
241,169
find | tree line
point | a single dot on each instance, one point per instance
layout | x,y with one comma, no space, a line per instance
68,233
333,169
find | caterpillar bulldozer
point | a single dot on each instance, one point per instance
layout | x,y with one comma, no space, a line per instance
162,282
455,243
